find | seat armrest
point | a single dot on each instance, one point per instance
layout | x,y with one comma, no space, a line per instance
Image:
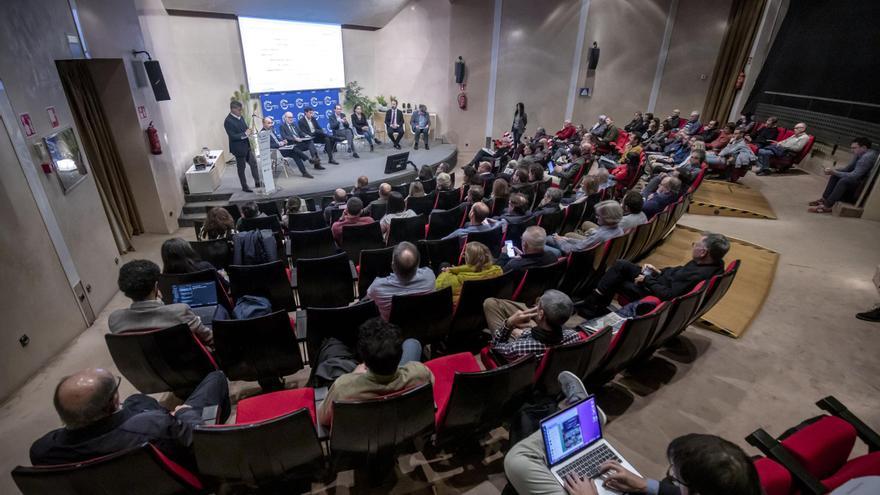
210,415
322,431
301,324
354,273
293,283
776,451
834,407
287,249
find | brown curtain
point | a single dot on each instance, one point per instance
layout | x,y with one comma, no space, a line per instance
742,25
100,148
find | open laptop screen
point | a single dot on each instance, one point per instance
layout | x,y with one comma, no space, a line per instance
196,294
571,430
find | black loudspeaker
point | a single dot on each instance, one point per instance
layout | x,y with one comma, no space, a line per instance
593,59
157,81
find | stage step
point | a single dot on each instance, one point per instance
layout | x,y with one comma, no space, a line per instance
199,197
202,206
187,219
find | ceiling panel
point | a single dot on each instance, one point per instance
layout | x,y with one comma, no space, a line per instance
370,13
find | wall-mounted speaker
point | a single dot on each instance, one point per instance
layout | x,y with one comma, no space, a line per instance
593,58
157,81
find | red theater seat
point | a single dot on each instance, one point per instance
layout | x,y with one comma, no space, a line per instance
275,404
775,479
444,370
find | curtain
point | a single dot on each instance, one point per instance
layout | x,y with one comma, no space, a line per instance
742,24
100,148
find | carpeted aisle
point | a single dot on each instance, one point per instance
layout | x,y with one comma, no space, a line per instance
733,314
730,200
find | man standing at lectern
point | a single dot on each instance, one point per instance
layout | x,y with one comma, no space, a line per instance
290,132
394,124
342,129
308,125
240,145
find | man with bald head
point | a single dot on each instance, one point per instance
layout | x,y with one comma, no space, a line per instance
406,278
291,133
338,203
95,424
381,203
789,146
478,221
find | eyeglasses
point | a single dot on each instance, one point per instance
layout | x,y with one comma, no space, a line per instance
671,477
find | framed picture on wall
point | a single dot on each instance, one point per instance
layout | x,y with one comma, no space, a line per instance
66,157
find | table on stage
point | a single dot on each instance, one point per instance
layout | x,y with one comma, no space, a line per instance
207,180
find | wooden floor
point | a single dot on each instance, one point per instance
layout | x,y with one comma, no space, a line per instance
730,200
733,314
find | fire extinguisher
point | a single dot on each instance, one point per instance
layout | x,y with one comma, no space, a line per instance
740,79
153,137
462,98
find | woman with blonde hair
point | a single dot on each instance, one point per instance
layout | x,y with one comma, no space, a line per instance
478,265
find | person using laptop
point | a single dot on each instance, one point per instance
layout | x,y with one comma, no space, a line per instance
139,281
698,463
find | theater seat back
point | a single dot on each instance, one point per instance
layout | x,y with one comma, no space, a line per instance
822,447
140,470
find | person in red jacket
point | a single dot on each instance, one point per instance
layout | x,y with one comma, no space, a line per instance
568,130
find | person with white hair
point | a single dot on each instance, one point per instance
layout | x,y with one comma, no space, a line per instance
519,330
692,126
598,129
608,215
568,130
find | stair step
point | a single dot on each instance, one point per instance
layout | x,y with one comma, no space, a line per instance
202,206
200,197
188,219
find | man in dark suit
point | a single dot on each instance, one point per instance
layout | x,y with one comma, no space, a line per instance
294,154
95,424
394,124
240,145
290,132
341,128
309,126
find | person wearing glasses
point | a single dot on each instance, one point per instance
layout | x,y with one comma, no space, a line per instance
96,424
791,146
697,464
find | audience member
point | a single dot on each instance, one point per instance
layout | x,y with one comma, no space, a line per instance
444,182
478,221
789,146
517,209
426,173
474,195
416,190
338,203
361,185
765,135
698,464
484,169
477,266
710,131
500,190
843,182
666,194
520,330
139,281
598,129
692,126
249,210
611,132
351,216
608,215
674,120
96,424
533,252
634,123
746,122
395,208
635,282
380,202
722,138
292,206
178,257
566,132
627,170
218,224
736,154
390,364
550,203
406,278
632,209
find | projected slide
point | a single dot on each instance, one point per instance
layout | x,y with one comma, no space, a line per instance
291,56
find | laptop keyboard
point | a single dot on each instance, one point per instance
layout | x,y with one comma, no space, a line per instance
587,465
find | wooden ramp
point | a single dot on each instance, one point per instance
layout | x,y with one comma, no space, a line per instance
730,200
735,311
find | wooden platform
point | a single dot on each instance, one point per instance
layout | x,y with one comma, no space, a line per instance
733,313
730,200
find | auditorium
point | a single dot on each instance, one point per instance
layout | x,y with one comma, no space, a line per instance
582,247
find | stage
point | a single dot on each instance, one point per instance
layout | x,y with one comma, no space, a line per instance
344,175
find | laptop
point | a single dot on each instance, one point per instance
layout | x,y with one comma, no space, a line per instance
201,297
573,443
